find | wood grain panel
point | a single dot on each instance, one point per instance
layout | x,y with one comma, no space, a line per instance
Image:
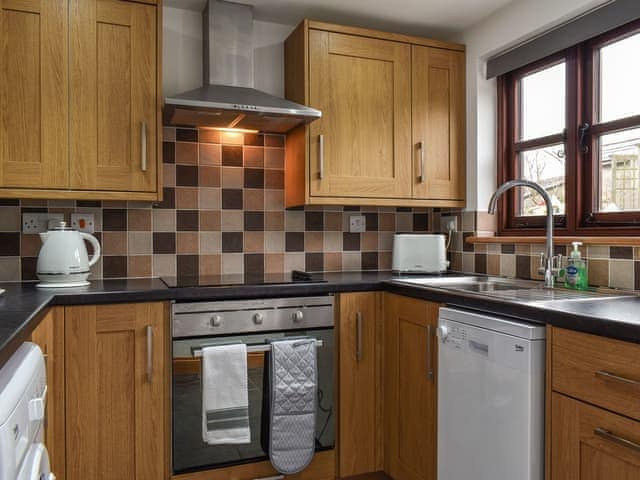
362,86
359,385
33,93
438,121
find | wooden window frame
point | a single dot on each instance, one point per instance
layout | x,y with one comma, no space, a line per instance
581,177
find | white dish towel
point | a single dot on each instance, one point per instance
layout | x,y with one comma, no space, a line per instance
225,396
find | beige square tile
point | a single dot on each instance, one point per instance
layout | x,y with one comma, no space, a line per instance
313,241
114,243
274,242
523,249
274,221
139,266
232,138
210,264
493,264
140,243
186,198
164,220
187,243
210,243
139,220
333,241
273,200
495,248
186,153
598,271
332,262
351,261
232,177
253,242
468,262
10,219
232,263
164,265
293,261
210,198
597,251
274,263
95,271
535,264
169,175
385,241
508,265
481,248
253,156
9,269
486,222
294,221
210,154
274,157
168,134
621,274
253,199
232,221
404,222
210,220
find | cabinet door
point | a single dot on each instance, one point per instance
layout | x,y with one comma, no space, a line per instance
113,88
438,119
361,147
116,389
360,434
49,336
589,443
34,93
410,387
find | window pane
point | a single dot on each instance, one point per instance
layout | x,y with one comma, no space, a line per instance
619,171
542,103
545,166
619,74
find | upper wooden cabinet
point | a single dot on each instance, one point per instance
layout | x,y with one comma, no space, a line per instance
79,99
393,118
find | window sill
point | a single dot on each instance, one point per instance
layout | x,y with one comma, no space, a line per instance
612,241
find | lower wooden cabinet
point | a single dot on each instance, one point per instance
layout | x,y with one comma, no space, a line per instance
360,412
590,443
116,391
410,379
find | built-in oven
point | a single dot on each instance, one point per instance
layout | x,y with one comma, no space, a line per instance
254,322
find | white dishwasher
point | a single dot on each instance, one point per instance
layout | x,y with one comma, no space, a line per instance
490,397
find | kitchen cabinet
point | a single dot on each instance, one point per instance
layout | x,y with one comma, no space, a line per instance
49,336
381,95
116,391
360,381
80,101
410,386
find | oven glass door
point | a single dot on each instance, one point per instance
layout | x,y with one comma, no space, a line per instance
190,452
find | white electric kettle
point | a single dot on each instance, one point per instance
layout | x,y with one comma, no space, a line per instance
63,260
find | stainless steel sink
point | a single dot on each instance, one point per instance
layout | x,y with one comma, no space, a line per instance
521,291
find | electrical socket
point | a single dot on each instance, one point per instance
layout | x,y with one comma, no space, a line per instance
357,223
83,222
39,222
448,223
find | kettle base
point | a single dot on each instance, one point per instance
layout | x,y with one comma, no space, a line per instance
62,285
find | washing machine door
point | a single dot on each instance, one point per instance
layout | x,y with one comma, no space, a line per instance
36,464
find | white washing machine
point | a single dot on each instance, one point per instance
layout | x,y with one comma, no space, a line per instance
23,393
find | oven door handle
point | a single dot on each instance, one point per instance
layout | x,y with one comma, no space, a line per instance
196,352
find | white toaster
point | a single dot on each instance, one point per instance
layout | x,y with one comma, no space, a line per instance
419,253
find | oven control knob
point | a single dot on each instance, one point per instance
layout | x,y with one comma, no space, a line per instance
297,316
216,320
442,332
258,318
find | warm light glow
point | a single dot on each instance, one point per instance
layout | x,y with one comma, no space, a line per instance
233,130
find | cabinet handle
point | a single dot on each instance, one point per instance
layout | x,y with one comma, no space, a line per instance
421,147
429,362
612,437
149,353
143,146
321,155
358,336
604,375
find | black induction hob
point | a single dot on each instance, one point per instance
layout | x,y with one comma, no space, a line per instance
184,281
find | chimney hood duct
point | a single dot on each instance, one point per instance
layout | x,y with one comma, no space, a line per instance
228,99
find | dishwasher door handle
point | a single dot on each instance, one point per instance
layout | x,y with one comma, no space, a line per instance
429,354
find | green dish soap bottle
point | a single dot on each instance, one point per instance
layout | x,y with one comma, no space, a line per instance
576,273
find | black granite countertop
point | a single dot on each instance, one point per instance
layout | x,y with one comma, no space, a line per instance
23,304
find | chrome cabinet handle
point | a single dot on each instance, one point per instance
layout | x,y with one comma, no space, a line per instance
321,155
612,437
358,336
421,147
429,361
149,353
143,146
604,375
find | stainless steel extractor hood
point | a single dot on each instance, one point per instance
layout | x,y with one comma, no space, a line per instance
228,99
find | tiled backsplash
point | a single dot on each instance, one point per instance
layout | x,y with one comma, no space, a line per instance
223,212
608,266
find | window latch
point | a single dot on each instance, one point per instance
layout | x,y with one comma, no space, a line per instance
583,135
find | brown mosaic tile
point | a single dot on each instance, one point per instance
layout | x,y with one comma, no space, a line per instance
254,265
164,243
636,275
186,176
332,261
210,154
523,266
209,176
294,241
232,198
10,219
232,220
139,220
209,135
274,221
253,157
209,198
187,220
313,241
256,139
114,220
332,241
164,265
253,199
351,261
186,153
187,243
369,261
210,243
274,158
621,253
253,178
164,220
621,274
209,264
186,135
598,271
139,266
313,262
30,245
28,268
114,267
168,198
232,138
210,220
232,242
9,244
186,198
231,156
350,241
140,243
274,200
333,221
232,177
254,242
493,264
187,265
369,241
114,243
232,263
384,261
169,134
274,178
274,140
253,221
274,242
274,263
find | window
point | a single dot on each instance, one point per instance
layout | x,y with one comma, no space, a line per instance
571,123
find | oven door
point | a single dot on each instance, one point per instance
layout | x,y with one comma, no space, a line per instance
190,452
